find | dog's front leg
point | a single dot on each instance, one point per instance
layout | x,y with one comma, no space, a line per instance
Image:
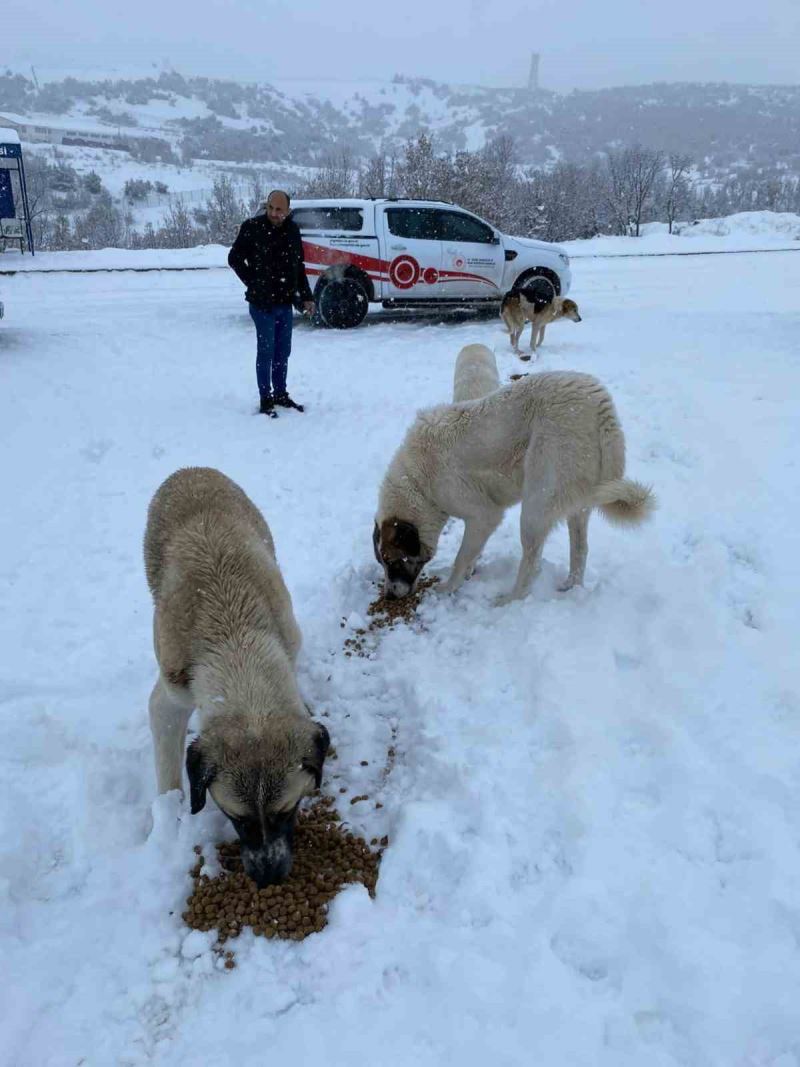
534,335
170,710
477,532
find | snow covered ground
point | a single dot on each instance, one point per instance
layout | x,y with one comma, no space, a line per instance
593,810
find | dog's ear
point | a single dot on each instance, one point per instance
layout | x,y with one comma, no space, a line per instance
313,763
376,542
201,774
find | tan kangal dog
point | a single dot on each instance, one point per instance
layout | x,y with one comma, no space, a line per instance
226,642
537,307
552,441
475,373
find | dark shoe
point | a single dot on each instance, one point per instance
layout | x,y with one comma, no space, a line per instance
283,400
267,407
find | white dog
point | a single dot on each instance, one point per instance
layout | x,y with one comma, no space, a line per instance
551,440
226,642
475,373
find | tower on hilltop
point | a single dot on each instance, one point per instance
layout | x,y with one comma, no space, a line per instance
533,77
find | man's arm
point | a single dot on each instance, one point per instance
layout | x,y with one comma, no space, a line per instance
237,257
303,288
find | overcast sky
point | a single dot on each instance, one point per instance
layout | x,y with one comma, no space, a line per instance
584,44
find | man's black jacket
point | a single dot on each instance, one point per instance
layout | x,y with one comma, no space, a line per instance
269,260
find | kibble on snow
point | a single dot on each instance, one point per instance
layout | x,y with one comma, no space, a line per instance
326,857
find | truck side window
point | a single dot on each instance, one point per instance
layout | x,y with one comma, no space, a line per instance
417,223
329,218
458,227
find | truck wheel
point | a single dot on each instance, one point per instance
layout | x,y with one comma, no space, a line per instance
539,272
342,303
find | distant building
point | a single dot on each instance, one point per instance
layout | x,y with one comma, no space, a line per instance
55,132
533,76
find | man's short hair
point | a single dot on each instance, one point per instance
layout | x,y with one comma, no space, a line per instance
282,193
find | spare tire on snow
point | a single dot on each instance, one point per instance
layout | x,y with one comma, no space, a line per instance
342,303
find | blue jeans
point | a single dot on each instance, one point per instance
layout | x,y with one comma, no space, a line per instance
274,343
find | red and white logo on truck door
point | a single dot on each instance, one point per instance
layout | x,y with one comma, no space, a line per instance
404,272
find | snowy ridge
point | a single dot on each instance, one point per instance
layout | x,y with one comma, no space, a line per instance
301,119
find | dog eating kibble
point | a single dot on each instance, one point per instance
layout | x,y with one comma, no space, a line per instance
326,858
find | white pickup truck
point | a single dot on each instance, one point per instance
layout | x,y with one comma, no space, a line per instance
413,253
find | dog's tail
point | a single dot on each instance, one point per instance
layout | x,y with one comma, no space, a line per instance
624,502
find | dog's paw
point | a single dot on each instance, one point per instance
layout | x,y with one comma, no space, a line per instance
568,583
501,601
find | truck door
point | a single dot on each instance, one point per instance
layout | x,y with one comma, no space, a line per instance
473,259
413,253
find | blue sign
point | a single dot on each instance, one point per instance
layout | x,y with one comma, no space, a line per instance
13,151
6,196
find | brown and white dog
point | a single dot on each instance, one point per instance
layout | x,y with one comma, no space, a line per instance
536,304
226,642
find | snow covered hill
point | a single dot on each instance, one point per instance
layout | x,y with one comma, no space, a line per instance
296,121
592,809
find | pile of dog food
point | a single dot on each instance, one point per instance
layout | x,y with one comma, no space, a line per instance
326,857
384,613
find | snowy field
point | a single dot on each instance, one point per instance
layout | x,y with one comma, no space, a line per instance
593,810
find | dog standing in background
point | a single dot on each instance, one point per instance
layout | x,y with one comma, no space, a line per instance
226,642
537,304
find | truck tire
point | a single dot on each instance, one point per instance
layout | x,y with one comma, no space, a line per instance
342,303
540,272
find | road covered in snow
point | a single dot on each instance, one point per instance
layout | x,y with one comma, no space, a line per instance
592,801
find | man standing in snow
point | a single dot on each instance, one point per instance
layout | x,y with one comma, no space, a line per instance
267,256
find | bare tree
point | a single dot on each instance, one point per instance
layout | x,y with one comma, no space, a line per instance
102,226
222,213
678,192
177,230
632,174
258,193
378,176
338,176
421,174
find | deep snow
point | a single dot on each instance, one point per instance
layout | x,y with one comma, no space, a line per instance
592,811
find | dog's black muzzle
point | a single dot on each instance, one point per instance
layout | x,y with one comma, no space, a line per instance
267,855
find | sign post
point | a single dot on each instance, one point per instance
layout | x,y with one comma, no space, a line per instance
12,167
